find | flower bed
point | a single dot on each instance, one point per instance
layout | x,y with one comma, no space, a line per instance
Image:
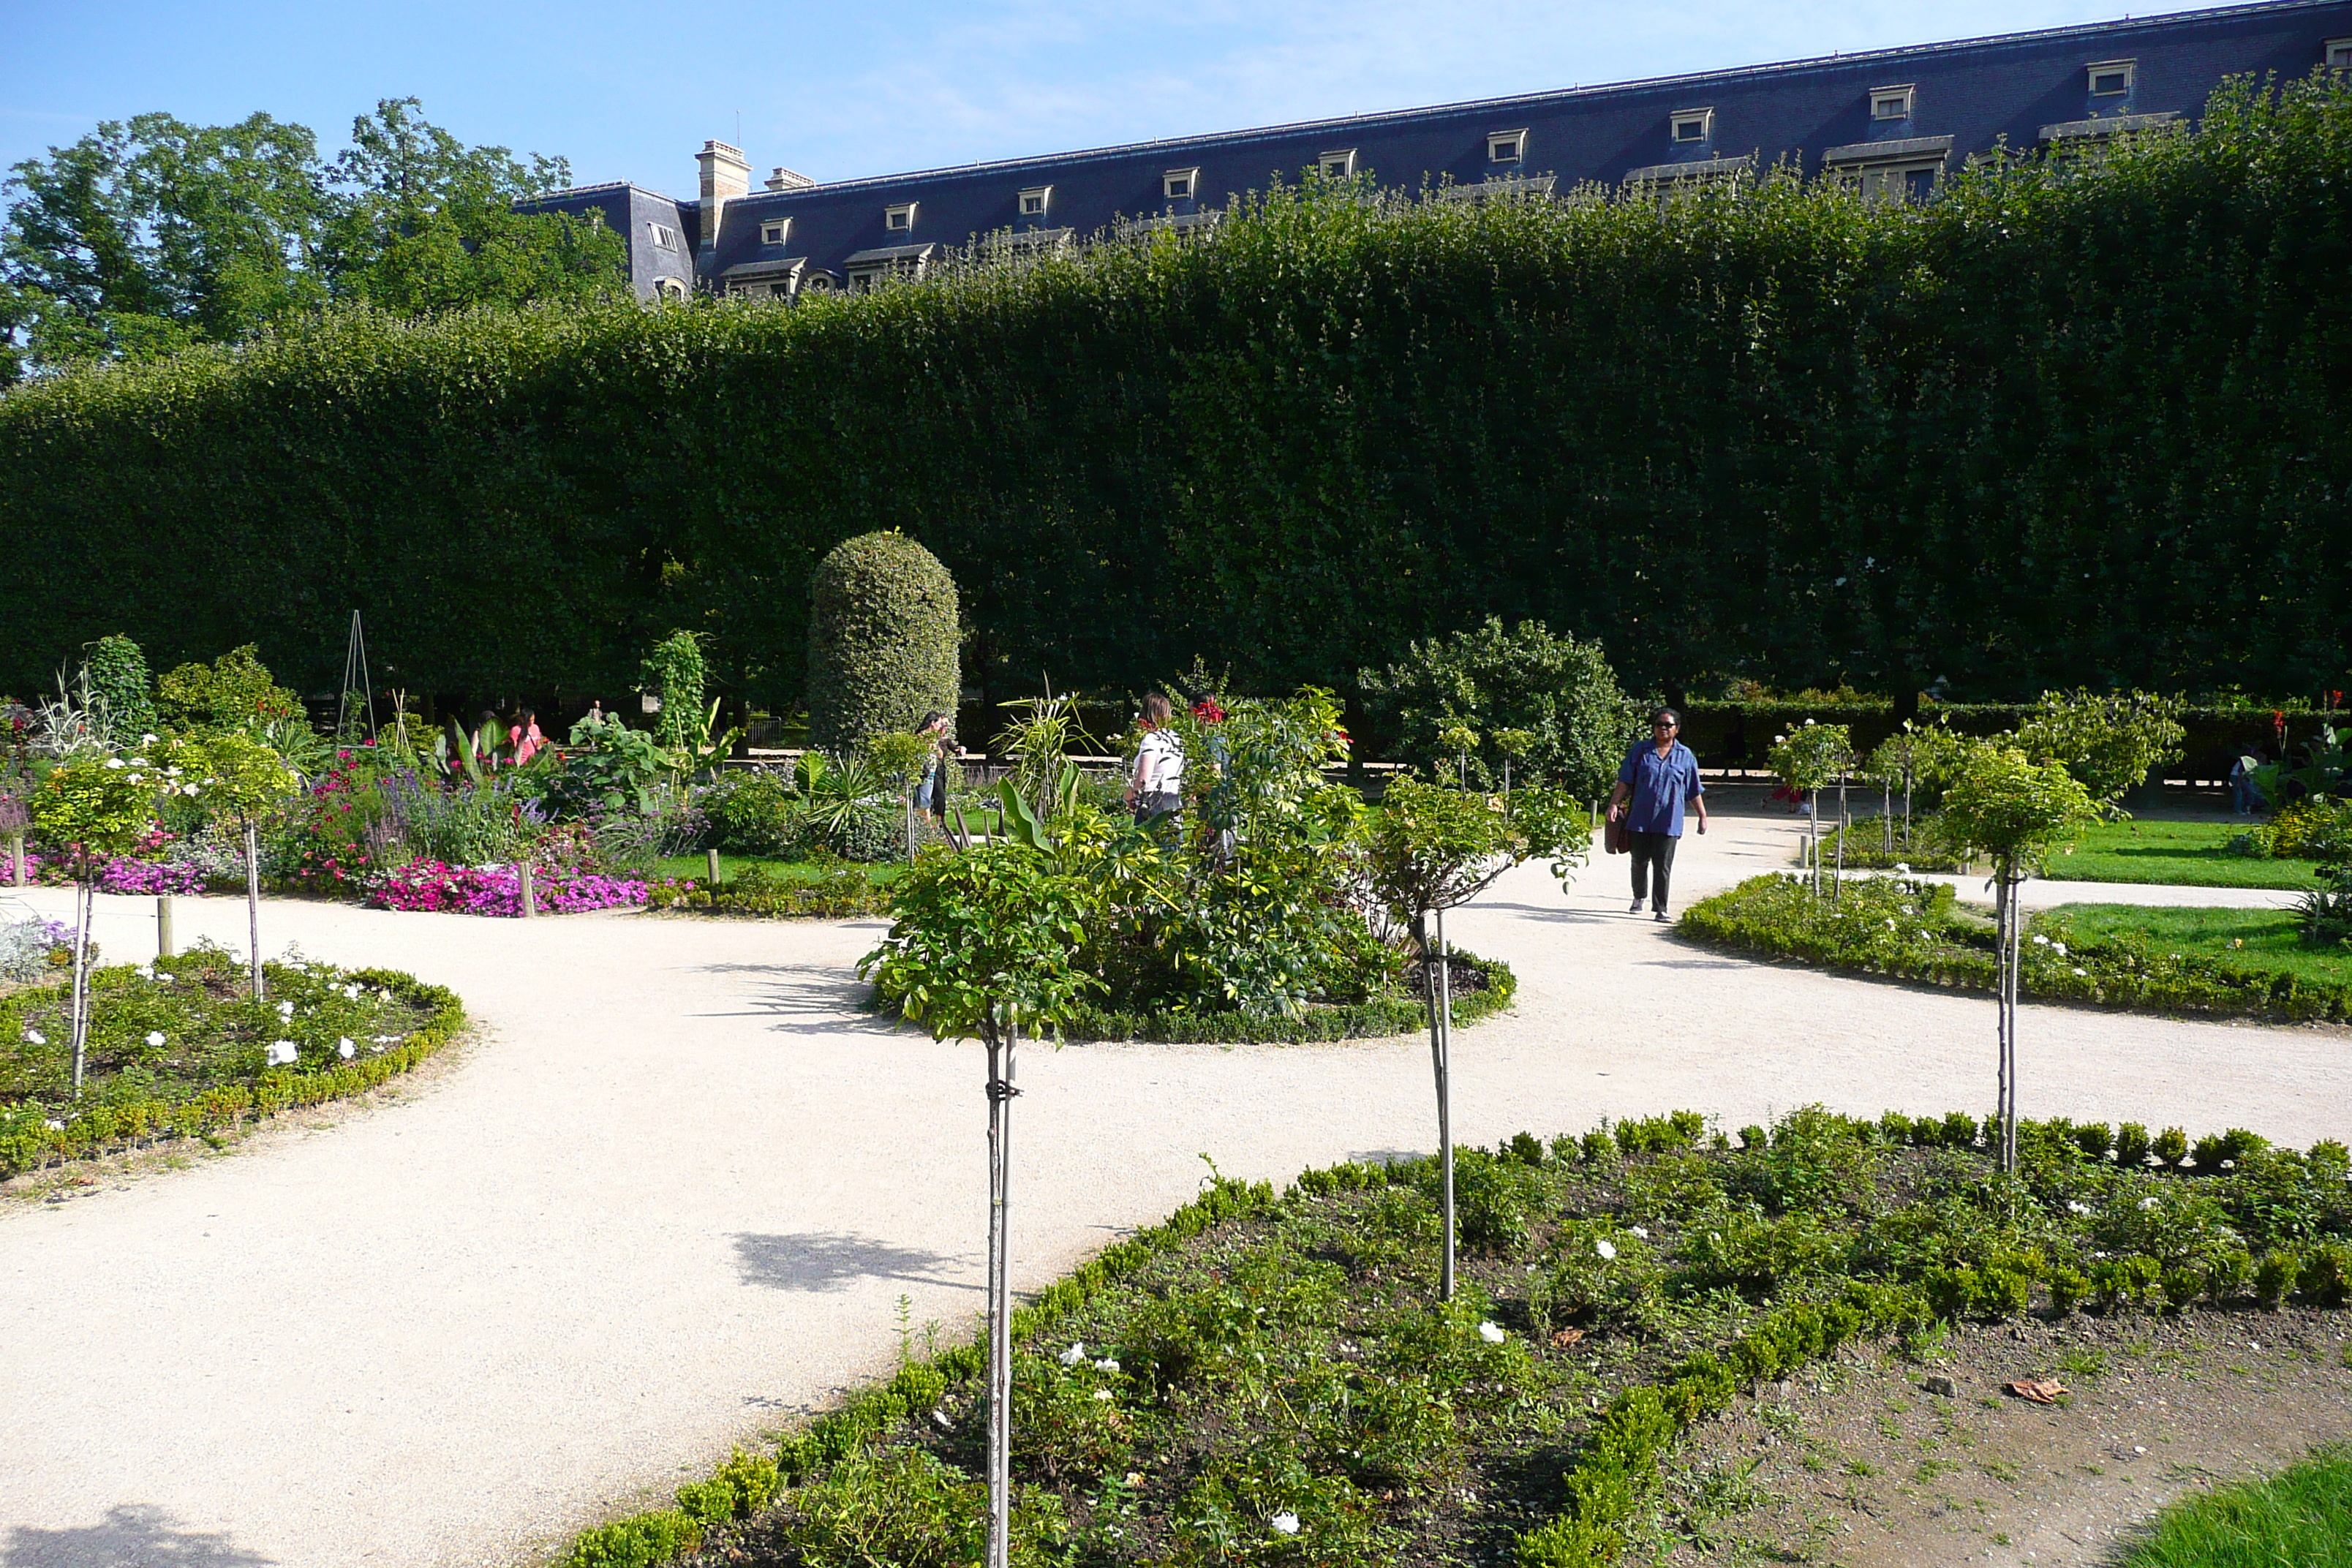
497,891
178,1049
120,874
1269,1378
1912,930
1482,987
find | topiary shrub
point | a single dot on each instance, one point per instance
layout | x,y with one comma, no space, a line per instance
118,682
883,623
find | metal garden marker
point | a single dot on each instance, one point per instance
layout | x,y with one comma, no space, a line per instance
1001,1091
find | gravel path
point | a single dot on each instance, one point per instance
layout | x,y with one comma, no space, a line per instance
677,1190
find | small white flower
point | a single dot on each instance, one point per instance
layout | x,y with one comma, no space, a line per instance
54,1125
1808,723
2058,948
351,992
189,788
164,977
1106,1364
1603,1248
1909,911
345,1049
147,740
1491,1333
2079,970
1639,1231
283,1053
1102,1395
2077,1206
1905,866
36,1037
154,1039
1074,1355
1285,1524
2042,941
2146,1204
1890,923
114,762
285,1009
134,778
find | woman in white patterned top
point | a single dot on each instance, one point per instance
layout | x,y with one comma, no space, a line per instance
1156,790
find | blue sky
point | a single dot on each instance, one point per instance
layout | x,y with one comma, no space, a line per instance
628,90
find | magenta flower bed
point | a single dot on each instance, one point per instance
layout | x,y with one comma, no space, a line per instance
149,877
435,886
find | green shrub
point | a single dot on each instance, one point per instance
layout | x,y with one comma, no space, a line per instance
2327,1274
119,683
753,812
2227,1274
1547,703
2275,1276
884,633
639,1541
675,671
2132,1146
2170,1148
2094,1139
2068,1286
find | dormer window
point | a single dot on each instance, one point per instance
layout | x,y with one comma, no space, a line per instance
899,220
1506,146
2339,54
2112,79
1180,184
1891,102
775,230
1694,126
1034,200
663,236
1339,166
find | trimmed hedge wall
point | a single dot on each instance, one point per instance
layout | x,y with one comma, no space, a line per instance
2066,424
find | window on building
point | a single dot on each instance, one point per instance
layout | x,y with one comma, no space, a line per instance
1339,166
1506,146
1890,102
1180,184
669,288
2111,78
663,236
900,219
775,231
2339,54
1034,200
1693,126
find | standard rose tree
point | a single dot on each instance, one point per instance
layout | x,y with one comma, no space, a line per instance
96,807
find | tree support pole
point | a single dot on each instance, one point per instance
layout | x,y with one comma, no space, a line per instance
1001,1091
253,900
164,946
85,906
1441,1046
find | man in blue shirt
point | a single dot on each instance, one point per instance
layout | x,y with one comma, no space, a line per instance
1660,776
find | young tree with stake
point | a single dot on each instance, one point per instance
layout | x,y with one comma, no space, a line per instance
1806,758
982,947
1430,848
238,773
97,807
2016,811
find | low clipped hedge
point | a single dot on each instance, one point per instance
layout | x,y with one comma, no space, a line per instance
1908,930
121,1124
1380,1017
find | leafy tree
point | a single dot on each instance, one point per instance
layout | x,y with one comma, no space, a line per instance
119,680
425,224
1429,849
2016,810
980,947
675,671
1548,703
1916,756
237,774
94,805
149,235
1806,758
2108,742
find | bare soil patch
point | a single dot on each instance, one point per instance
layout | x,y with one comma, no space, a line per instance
1856,1463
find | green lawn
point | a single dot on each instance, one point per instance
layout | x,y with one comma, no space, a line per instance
733,866
2302,1516
2187,853
2266,940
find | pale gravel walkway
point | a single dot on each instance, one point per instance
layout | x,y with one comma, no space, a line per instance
679,1187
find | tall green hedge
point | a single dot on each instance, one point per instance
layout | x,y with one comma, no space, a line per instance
2064,425
883,630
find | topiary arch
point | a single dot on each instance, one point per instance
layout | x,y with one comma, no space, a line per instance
884,624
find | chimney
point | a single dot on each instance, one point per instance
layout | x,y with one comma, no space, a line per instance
783,179
726,174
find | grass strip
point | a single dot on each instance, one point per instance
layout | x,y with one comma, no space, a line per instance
2098,955
2150,852
2300,1516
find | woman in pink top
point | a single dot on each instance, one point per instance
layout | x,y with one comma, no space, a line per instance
525,737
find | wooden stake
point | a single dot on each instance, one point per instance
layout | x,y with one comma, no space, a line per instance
710,862
1001,1091
530,894
163,946
1441,1042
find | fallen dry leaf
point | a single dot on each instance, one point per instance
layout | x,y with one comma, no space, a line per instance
1567,1337
2041,1389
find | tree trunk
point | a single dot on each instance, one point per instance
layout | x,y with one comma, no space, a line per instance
2011,943
1441,1048
85,902
1886,819
1001,1091
253,900
1845,825
1813,835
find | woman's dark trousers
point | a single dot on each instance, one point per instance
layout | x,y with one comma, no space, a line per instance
1652,850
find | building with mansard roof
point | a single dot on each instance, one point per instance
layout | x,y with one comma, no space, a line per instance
1893,122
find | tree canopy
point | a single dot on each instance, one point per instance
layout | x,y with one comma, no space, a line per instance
150,235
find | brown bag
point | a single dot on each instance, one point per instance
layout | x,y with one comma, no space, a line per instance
1616,838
